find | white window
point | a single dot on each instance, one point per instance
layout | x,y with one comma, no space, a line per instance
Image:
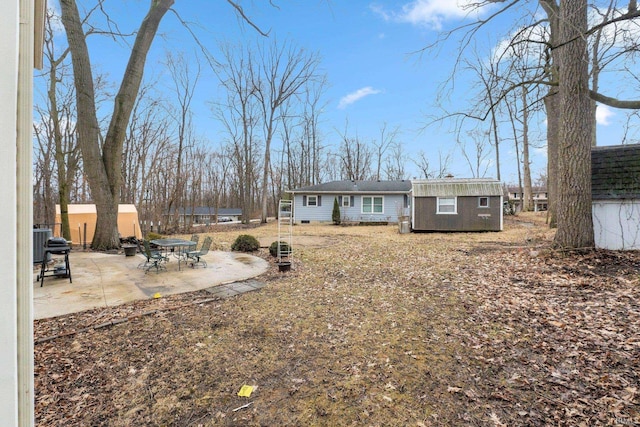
312,200
483,202
447,205
372,204
346,201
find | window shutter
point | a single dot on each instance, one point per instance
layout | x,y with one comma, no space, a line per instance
339,200
353,201
319,200
304,200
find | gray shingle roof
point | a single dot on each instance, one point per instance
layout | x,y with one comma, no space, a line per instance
615,172
347,187
457,187
206,210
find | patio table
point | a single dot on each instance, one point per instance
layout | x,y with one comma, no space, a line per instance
176,247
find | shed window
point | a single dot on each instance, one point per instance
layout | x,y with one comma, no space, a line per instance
447,205
483,202
372,204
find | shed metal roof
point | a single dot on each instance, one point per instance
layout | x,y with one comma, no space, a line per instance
457,187
348,186
615,172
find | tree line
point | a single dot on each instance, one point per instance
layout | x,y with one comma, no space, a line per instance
132,145
153,156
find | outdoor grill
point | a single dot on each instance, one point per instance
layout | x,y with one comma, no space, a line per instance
55,246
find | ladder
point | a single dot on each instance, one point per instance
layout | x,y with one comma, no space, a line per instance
285,231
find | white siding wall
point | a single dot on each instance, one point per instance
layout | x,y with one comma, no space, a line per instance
616,224
9,43
353,213
312,213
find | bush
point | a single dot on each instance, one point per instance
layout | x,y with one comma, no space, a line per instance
245,243
284,248
153,236
335,214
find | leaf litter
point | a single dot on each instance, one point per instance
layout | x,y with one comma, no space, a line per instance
370,327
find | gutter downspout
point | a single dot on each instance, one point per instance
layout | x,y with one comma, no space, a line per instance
24,216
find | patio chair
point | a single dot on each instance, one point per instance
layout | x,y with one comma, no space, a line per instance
195,257
154,259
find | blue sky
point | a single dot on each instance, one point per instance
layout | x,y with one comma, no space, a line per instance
368,54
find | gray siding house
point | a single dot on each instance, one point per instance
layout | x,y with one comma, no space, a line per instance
615,195
457,205
359,201
206,215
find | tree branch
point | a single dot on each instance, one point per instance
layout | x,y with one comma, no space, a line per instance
240,11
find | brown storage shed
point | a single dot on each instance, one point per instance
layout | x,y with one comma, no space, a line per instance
457,205
81,214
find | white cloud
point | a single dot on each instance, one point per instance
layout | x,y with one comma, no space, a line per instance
604,115
429,13
356,96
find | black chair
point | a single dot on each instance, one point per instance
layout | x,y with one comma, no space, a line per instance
195,257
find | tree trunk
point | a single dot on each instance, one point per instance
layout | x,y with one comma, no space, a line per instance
527,198
552,106
103,167
575,223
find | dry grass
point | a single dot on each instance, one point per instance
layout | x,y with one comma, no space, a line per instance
371,327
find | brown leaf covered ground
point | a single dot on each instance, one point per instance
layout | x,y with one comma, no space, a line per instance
370,328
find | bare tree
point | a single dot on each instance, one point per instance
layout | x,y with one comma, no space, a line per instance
575,223
239,115
281,74
56,130
184,81
424,165
477,159
565,142
103,158
395,163
387,140
355,158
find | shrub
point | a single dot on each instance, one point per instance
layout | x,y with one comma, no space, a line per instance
335,214
153,236
284,248
245,243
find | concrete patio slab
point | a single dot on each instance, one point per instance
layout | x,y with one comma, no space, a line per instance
107,280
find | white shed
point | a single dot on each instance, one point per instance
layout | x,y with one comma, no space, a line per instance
615,189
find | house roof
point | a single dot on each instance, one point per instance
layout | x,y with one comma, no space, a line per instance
85,208
535,189
457,187
208,210
615,172
349,187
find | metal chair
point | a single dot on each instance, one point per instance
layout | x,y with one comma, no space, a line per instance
154,259
195,257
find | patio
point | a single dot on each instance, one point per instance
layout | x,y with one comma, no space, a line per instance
106,280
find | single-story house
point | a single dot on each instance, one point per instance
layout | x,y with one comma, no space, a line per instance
615,194
207,215
359,201
83,218
457,205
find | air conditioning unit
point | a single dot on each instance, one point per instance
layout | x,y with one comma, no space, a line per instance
40,238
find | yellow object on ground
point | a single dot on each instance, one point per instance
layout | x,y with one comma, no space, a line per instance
245,391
